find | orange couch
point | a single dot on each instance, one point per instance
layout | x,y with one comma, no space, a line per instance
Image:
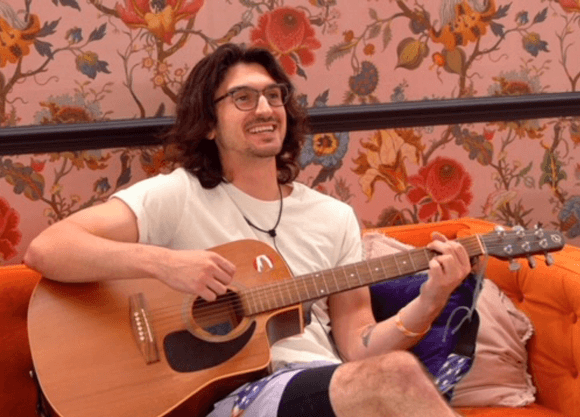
549,296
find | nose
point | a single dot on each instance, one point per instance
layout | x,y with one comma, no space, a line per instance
263,106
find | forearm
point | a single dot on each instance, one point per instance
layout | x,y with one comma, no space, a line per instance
67,252
414,320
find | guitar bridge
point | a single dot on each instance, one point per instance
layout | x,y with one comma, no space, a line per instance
142,329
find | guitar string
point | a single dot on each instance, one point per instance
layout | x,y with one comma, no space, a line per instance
214,307
217,308
275,289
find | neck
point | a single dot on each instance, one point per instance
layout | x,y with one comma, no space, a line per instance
260,182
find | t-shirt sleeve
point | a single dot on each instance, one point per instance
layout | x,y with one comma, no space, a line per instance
158,205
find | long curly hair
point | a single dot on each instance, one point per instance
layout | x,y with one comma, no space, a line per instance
186,141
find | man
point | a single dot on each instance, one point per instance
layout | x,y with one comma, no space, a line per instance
237,135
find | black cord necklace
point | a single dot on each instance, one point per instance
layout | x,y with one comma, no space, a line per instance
272,231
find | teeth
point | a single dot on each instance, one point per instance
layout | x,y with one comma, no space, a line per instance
260,129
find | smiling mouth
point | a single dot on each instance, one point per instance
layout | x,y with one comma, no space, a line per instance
262,129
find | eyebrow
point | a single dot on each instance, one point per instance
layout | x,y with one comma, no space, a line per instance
239,87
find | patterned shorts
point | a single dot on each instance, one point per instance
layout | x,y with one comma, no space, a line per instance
262,397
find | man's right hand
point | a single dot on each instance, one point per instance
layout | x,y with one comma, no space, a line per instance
199,272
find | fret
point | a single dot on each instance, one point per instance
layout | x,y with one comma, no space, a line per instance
405,264
320,292
397,265
343,285
299,296
427,259
377,273
306,288
357,273
261,300
372,272
336,286
411,259
416,260
325,283
290,296
349,275
245,298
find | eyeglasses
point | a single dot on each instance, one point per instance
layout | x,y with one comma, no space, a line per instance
247,98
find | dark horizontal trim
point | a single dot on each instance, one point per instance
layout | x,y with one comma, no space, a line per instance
145,132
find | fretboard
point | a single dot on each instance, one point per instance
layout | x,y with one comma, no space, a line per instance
321,284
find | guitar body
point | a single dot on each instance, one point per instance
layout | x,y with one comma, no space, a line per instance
94,358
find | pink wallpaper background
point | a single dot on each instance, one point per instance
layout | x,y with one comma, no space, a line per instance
71,61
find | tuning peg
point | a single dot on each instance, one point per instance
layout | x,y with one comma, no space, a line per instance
520,231
500,231
514,265
532,262
549,259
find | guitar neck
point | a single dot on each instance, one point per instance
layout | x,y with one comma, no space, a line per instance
331,281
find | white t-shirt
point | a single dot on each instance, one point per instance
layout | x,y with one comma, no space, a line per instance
315,232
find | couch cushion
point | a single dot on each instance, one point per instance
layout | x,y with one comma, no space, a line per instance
532,410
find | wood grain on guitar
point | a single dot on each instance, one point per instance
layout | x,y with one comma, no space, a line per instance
139,348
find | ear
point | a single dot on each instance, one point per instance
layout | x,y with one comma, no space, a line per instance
211,135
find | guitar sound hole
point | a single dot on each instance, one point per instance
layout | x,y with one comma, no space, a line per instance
219,317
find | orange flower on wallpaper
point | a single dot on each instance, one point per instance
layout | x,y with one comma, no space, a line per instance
158,17
10,234
287,32
465,22
15,41
442,186
384,159
570,6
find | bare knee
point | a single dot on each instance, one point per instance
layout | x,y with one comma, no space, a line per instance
396,372
394,381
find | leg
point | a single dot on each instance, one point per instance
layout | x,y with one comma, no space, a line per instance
393,384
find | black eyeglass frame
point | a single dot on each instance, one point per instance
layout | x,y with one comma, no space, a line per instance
284,88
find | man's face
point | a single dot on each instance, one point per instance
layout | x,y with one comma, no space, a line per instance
257,133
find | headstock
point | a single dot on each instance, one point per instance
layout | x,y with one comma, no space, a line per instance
519,242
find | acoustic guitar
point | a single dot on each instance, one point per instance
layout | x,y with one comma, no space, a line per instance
138,348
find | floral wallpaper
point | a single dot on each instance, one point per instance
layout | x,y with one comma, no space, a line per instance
86,61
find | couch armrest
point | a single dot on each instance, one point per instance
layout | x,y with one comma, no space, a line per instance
18,390
550,296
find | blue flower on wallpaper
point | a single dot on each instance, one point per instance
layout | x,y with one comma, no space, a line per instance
102,185
534,44
326,149
570,217
74,35
89,64
522,18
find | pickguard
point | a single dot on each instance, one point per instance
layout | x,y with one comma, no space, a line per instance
187,353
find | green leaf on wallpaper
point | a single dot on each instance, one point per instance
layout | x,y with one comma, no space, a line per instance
497,29
43,48
99,33
337,51
48,28
124,178
541,16
68,3
321,100
387,35
373,14
375,31
552,172
502,11
525,171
